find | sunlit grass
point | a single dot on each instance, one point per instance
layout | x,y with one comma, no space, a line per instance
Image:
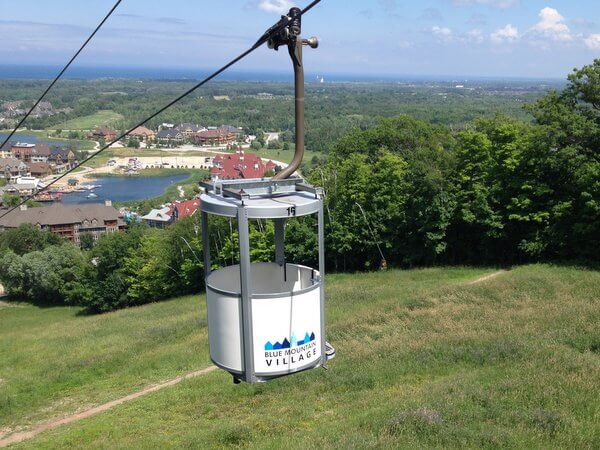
424,360
100,118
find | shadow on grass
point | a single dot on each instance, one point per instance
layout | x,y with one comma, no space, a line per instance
12,301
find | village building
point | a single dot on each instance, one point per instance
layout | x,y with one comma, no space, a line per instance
12,168
24,186
41,153
237,131
170,136
189,130
186,208
62,158
217,136
163,217
159,218
240,165
143,134
103,133
59,158
40,169
22,151
68,221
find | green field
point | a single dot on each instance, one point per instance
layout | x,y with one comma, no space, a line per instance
285,156
98,119
425,358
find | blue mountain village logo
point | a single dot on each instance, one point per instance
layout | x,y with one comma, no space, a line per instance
292,351
293,342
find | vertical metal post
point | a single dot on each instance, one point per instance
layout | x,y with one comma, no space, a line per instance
280,241
321,232
206,242
246,290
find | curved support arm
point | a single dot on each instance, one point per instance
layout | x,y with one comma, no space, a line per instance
299,111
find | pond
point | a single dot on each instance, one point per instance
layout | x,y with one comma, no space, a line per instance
32,139
123,189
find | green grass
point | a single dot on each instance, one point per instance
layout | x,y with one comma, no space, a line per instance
285,156
98,119
424,360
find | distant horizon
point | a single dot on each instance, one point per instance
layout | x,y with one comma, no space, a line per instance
48,71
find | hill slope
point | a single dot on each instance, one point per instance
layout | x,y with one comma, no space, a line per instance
425,358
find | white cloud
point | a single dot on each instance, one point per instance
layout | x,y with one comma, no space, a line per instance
275,6
592,42
443,33
552,25
507,34
475,35
500,4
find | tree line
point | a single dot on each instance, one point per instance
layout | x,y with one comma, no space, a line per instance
499,191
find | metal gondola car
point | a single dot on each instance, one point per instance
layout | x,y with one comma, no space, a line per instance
267,320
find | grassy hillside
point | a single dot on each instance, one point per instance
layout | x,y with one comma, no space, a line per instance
98,119
425,359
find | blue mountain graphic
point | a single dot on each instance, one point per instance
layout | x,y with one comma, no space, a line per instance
287,344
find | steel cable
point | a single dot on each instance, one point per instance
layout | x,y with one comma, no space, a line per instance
278,27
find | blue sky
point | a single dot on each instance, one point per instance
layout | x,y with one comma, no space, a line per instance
506,38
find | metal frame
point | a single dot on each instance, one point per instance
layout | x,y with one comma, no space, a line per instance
290,198
317,280
280,241
243,189
321,231
238,197
246,290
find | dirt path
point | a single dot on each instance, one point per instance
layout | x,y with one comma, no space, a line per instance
24,435
487,277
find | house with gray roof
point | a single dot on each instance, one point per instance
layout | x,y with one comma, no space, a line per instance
170,136
12,168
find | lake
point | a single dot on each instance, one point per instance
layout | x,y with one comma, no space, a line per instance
123,189
32,139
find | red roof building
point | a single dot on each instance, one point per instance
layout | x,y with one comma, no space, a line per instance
239,165
187,208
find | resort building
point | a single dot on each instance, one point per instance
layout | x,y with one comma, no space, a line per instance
69,221
217,136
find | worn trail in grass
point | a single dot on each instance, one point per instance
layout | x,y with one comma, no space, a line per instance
424,359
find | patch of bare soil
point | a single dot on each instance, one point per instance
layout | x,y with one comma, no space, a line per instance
37,429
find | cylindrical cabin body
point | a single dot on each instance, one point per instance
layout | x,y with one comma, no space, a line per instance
265,319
